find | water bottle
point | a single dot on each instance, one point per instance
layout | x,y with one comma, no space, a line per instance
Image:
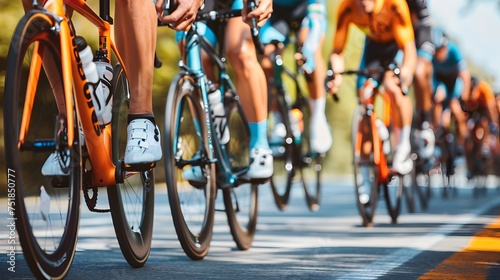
90,70
383,133
297,122
105,72
218,113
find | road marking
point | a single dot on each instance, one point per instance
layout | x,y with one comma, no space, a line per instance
473,261
386,264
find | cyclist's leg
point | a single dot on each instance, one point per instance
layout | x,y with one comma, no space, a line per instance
311,38
251,85
403,111
135,32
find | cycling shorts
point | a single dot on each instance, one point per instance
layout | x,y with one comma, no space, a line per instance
378,54
453,87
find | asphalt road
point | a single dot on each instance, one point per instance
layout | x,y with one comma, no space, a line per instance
297,243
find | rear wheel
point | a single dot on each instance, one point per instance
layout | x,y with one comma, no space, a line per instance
393,192
46,207
282,144
366,173
241,202
186,148
131,202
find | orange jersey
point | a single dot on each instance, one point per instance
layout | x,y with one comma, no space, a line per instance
390,21
481,95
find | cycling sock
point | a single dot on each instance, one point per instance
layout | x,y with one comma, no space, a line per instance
258,135
317,108
150,117
405,134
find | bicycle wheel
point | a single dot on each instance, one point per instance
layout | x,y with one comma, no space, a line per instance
131,202
282,144
366,174
241,202
186,145
393,193
46,208
310,163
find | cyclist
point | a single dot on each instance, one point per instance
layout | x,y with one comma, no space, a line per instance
482,101
390,37
250,82
135,33
311,14
422,80
451,81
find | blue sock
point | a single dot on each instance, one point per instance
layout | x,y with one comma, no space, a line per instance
258,135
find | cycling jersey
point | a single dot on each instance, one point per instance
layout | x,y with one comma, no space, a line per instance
481,95
419,8
388,30
390,21
446,73
422,28
292,15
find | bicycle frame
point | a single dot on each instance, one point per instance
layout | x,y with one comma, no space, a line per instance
97,139
368,104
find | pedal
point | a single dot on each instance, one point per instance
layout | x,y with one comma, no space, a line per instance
122,169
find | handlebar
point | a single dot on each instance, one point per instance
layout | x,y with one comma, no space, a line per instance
369,72
229,13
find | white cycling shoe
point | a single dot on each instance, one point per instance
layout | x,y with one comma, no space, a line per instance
143,143
402,163
261,164
54,164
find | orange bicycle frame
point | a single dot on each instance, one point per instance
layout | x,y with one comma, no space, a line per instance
97,139
379,157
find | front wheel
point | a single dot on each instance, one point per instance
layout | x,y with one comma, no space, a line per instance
44,173
186,148
310,163
131,202
366,172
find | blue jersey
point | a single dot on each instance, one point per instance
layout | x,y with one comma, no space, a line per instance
453,64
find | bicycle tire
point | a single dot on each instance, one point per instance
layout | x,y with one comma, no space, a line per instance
364,170
47,255
187,137
131,202
241,202
309,163
283,151
393,193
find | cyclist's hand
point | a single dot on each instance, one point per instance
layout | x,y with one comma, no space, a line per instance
262,12
182,17
332,82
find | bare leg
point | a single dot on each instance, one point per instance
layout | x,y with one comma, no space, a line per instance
250,78
135,32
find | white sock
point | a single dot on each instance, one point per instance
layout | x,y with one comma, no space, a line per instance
317,109
404,138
